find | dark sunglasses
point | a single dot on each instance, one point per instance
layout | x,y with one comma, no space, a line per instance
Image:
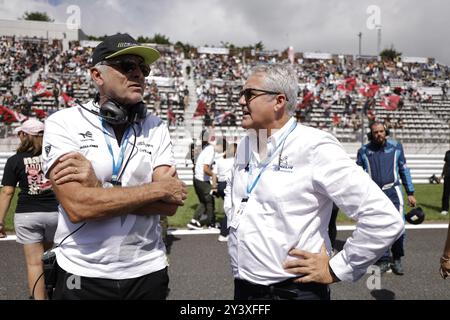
126,66
249,95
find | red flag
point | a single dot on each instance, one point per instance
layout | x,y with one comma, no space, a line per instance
70,102
390,102
369,91
201,109
40,89
309,96
7,115
40,114
349,84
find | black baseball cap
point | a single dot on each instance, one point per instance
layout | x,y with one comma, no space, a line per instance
121,44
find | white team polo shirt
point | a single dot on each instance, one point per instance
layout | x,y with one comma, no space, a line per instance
205,157
122,247
290,207
223,168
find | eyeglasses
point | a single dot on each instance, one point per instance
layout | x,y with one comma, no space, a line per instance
126,66
249,95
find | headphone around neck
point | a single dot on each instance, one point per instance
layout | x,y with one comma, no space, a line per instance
115,113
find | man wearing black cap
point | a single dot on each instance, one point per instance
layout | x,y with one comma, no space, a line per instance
110,245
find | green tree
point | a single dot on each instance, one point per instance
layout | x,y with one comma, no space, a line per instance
259,46
390,54
37,16
186,47
95,38
160,39
142,39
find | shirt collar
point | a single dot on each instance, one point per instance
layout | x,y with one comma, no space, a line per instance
273,140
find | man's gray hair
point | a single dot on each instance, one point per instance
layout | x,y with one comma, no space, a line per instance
280,78
102,69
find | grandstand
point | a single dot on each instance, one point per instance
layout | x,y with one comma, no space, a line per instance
338,93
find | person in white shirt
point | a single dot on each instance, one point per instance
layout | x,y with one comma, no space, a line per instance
279,198
108,234
222,171
202,185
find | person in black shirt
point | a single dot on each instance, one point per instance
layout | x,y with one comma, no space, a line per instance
36,215
446,177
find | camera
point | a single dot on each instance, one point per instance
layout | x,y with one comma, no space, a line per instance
49,261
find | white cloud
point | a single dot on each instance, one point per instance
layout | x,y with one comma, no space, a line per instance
414,27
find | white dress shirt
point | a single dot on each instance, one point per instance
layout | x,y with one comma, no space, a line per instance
290,206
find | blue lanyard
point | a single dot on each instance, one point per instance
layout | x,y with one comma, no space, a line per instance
251,186
116,165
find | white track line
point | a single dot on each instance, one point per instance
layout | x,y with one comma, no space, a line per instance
183,232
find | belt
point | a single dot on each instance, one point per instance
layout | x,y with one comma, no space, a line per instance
287,289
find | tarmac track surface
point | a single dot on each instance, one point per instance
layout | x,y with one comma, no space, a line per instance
199,270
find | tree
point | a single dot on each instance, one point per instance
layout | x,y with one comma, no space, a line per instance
37,16
95,38
259,46
390,54
160,39
142,39
186,47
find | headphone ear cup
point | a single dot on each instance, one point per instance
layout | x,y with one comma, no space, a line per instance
369,136
138,112
113,114
388,132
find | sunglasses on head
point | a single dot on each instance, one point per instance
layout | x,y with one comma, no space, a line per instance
249,95
128,65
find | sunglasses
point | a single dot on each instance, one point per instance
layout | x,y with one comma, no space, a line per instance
249,95
126,66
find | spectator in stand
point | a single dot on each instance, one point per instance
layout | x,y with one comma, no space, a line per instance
444,89
36,215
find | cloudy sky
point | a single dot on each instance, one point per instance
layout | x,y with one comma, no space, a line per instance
416,28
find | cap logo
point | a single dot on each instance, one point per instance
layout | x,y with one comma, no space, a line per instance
125,44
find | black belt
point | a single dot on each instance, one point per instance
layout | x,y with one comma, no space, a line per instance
287,289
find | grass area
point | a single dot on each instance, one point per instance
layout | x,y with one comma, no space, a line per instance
428,197
185,213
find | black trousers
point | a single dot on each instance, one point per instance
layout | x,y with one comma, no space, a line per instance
221,185
153,286
285,290
446,194
206,202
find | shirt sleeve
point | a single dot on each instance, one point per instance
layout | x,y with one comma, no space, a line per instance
209,157
9,175
57,142
359,158
351,189
164,152
228,200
